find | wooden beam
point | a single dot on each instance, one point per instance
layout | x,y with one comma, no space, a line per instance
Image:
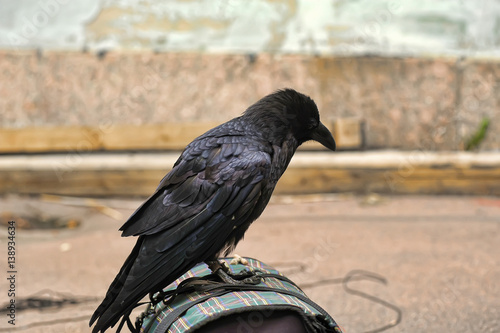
309,172
83,139
348,132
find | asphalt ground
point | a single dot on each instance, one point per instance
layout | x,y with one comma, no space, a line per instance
435,260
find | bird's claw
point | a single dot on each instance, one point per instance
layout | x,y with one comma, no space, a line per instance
248,278
252,280
237,259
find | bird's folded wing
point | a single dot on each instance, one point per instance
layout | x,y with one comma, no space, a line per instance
227,182
186,220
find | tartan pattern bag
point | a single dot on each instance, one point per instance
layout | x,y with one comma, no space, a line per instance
196,299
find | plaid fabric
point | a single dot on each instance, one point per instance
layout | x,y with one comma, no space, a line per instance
231,302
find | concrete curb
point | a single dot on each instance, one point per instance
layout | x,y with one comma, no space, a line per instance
137,174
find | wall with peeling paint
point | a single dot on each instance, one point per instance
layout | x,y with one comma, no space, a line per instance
435,76
327,27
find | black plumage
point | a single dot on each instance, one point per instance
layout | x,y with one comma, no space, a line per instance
220,184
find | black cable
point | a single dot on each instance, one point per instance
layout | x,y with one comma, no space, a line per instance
349,276
359,275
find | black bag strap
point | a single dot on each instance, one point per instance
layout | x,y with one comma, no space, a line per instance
220,289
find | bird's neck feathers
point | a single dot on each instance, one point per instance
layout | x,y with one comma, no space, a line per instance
283,116
273,120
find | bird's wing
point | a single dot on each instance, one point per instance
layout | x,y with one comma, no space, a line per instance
191,217
218,178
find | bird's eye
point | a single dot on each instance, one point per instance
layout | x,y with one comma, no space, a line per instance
311,126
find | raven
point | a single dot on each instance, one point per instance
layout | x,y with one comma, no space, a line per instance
220,184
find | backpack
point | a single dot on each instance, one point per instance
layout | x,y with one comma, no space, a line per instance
199,299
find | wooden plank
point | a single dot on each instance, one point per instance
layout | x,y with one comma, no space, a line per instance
121,183
131,183
348,133
46,139
425,181
153,137
139,174
83,139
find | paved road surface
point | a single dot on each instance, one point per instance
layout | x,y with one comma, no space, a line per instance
440,257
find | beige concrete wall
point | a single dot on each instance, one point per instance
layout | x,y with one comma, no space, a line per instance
424,103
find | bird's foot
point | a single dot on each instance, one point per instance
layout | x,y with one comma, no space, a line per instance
238,279
223,272
216,265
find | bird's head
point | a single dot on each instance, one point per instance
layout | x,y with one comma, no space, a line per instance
290,111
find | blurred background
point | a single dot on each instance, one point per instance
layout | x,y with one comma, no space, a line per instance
419,78
98,97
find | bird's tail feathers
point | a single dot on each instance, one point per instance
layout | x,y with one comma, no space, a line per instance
112,293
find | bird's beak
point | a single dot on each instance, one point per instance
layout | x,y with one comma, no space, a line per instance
323,136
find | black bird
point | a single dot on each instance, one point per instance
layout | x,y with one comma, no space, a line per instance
220,184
